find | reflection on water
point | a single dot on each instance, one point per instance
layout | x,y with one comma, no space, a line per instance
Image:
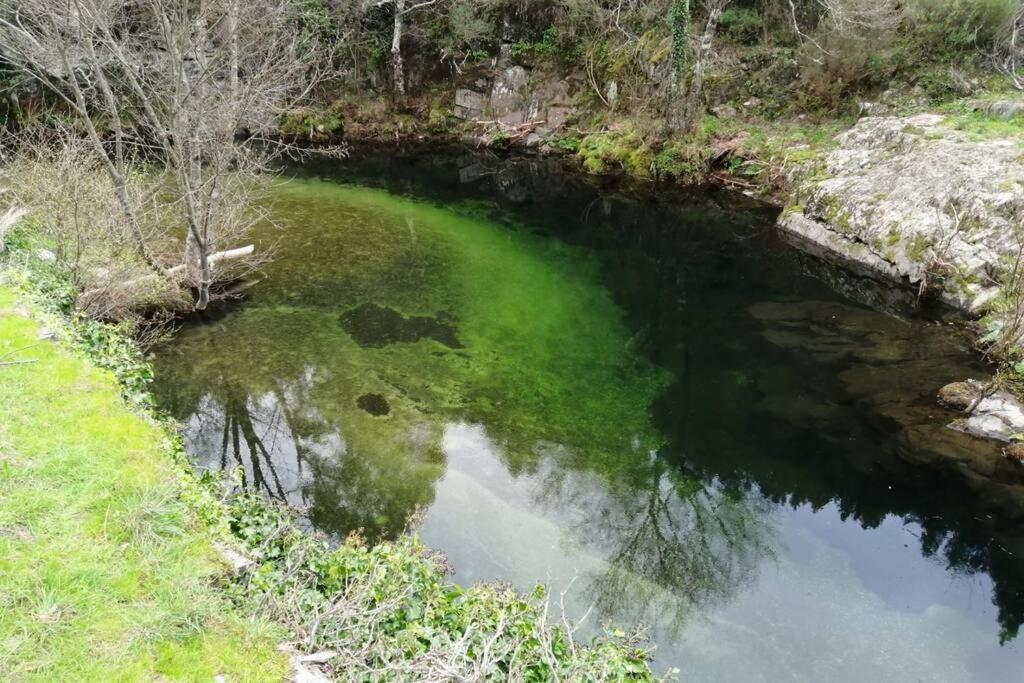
652,406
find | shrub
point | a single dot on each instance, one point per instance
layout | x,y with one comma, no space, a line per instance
682,160
310,124
741,25
624,148
553,46
389,613
945,29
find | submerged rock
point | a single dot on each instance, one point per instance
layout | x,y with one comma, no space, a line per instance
992,414
374,326
374,404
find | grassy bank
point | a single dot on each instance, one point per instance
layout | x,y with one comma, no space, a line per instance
105,571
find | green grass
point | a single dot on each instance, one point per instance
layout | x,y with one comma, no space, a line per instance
982,126
105,573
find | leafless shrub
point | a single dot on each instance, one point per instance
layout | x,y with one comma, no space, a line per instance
56,177
841,39
193,86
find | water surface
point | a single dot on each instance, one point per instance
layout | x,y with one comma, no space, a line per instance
641,398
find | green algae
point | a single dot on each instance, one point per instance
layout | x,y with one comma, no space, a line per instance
444,316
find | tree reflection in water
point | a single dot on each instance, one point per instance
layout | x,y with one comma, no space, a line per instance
284,446
671,544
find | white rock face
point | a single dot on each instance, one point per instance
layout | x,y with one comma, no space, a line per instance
509,97
916,200
990,414
999,416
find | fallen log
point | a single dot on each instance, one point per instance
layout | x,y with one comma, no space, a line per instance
175,272
214,259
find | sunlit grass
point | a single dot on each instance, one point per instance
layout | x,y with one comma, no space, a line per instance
104,573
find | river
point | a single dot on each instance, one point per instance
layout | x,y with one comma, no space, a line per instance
640,397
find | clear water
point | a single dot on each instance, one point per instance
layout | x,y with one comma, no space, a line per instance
641,398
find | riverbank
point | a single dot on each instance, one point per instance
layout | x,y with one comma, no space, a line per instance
118,560
106,570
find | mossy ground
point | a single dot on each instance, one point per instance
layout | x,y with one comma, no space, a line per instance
105,572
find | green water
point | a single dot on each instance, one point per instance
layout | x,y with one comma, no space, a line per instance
644,401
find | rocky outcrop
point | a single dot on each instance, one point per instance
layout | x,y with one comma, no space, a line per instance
991,413
517,96
1003,109
916,200
469,104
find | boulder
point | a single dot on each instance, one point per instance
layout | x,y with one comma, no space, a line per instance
991,414
724,111
508,101
1003,109
961,395
469,104
1014,452
557,116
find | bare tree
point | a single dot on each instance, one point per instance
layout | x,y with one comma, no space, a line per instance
856,19
696,89
1010,54
688,72
181,82
400,9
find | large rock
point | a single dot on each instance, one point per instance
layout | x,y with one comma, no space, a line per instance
558,116
1004,109
991,414
469,104
509,97
915,200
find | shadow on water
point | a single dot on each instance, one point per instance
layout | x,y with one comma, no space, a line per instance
665,404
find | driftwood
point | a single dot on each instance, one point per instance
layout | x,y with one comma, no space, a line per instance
214,259
514,131
175,273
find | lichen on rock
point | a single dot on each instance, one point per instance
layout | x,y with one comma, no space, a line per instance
917,201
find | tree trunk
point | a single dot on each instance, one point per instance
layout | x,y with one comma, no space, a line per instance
397,65
233,48
680,48
700,62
